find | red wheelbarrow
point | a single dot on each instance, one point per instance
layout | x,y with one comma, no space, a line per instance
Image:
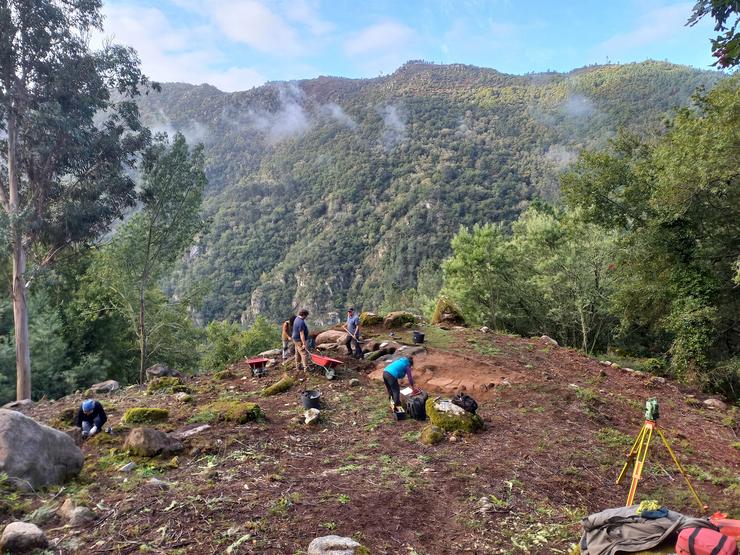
258,366
327,363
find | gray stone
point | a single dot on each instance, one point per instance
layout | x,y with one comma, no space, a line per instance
331,336
161,371
183,397
715,404
157,483
485,329
77,515
128,467
333,545
272,353
148,442
408,351
34,454
182,434
354,382
549,340
311,416
18,405
22,537
107,386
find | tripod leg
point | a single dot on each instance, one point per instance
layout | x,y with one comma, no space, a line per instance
681,470
631,455
641,456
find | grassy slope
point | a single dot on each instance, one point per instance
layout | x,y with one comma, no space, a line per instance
551,451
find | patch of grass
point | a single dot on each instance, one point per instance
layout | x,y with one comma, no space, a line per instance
285,502
329,526
438,338
614,438
348,468
169,384
484,349
412,437
343,498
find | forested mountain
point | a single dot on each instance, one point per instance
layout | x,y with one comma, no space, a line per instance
331,191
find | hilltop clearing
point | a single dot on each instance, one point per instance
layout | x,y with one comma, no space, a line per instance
557,427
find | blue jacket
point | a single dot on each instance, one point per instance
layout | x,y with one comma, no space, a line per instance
398,368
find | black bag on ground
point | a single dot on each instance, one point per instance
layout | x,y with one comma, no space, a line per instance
465,402
416,406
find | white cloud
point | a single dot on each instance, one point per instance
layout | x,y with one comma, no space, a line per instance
380,38
252,23
656,25
169,53
306,12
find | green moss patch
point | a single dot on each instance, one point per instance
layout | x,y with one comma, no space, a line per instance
370,319
223,375
431,435
466,422
284,384
166,385
240,412
398,319
141,415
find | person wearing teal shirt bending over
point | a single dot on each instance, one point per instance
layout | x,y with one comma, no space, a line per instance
397,370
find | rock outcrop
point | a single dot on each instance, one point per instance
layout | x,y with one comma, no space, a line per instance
148,442
31,453
22,537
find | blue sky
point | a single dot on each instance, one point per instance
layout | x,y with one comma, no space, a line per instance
238,44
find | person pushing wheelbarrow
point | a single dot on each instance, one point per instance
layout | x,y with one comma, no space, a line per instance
352,327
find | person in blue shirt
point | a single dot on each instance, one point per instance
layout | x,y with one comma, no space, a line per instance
90,417
397,370
352,327
300,340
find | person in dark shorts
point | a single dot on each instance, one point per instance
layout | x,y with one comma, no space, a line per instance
397,370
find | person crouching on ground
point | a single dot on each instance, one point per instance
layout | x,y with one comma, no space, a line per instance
352,327
287,336
90,417
397,370
300,340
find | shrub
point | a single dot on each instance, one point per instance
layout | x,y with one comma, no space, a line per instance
141,415
227,342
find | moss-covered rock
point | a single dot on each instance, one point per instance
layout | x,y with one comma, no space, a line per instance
399,319
375,355
370,319
223,375
240,412
284,384
166,385
142,415
431,435
446,311
461,420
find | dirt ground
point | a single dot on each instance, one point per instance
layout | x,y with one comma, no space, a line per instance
558,425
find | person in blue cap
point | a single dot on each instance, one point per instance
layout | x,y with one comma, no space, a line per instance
90,417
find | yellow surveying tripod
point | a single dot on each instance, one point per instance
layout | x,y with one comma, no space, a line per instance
638,453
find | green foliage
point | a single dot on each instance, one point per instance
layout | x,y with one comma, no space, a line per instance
228,342
142,415
168,384
676,204
378,205
726,13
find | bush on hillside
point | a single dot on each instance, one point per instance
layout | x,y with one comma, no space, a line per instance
446,311
227,342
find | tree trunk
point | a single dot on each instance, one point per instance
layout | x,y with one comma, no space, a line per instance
142,337
20,309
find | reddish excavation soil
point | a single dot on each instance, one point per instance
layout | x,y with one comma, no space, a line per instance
554,442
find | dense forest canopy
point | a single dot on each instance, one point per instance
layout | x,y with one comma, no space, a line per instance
332,191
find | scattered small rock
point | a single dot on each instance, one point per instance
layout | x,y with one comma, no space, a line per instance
312,416
333,545
271,353
715,404
354,382
128,467
615,365
182,434
549,340
19,406
162,370
485,329
183,397
602,373
148,442
605,362
20,537
157,483
108,386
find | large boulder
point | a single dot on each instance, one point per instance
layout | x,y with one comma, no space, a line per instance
370,319
331,336
22,537
334,545
445,311
148,442
108,386
20,406
451,418
36,454
162,371
398,319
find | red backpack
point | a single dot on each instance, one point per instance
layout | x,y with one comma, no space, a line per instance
704,541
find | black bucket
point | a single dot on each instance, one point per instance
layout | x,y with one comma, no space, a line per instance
311,399
418,337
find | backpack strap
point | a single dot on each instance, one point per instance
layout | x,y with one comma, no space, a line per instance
692,540
717,550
